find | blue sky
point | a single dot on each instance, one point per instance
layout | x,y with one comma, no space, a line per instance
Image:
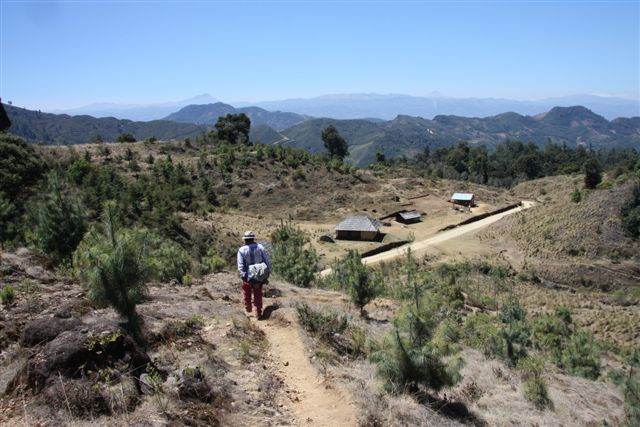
66,54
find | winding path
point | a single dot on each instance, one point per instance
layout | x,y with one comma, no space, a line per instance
316,403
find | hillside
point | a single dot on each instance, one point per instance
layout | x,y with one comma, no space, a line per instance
577,244
63,129
208,114
314,358
407,135
49,128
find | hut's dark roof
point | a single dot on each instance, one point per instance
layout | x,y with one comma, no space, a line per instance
359,223
410,215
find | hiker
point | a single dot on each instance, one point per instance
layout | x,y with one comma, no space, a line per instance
254,267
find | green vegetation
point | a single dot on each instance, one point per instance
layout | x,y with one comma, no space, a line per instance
212,263
592,173
333,330
576,196
535,387
514,331
513,161
126,137
405,136
581,356
335,144
405,367
168,260
630,213
62,129
55,224
291,258
7,294
20,169
356,279
233,128
112,263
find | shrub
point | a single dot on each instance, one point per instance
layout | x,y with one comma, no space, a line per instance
631,388
581,356
405,367
324,324
576,196
550,334
535,387
7,295
447,335
168,259
630,213
515,331
212,263
291,260
592,173
8,220
113,265
55,223
126,137
480,331
354,277
20,166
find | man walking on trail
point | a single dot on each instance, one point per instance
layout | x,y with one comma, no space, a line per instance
254,267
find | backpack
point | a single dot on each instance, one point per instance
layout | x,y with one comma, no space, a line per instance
258,272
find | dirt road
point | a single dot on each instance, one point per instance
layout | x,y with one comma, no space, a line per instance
418,247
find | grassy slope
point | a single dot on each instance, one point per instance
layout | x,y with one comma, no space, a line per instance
574,243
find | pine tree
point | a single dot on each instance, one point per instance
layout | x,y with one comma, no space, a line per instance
113,264
55,222
335,144
354,277
291,259
592,173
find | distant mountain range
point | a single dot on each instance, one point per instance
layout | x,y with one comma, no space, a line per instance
135,111
357,106
404,135
387,107
208,115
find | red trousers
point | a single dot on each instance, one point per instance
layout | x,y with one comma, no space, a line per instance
256,290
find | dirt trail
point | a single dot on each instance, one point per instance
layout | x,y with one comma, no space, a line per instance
317,403
418,247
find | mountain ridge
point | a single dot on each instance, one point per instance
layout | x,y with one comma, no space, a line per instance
208,114
403,136
407,135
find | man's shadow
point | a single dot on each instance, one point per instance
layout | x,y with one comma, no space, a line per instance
266,312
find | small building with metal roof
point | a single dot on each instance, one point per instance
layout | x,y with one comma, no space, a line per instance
463,199
408,217
358,228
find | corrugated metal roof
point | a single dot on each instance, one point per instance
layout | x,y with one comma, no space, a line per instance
359,223
410,215
462,196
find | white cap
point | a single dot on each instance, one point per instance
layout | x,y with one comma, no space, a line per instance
248,235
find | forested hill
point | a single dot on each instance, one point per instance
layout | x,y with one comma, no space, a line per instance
208,114
407,135
403,136
48,128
